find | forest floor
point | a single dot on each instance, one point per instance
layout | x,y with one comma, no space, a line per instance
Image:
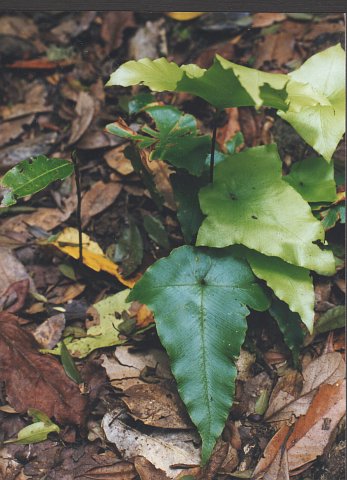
123,419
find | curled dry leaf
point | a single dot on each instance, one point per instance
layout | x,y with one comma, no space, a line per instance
11,272
116,159
36,381
20,289
85,108
113,26
147,471
100,196
157,406
49,332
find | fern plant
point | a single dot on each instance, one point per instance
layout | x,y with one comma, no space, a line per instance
251,238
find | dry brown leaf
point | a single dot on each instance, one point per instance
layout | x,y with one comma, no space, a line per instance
12,271
144,317
326,369
20,289
162,450
260,20
286,390
18,26
228,131
12,129
100,196
113,26
277,49
271,451
323,28
49,332
147,471
84,109
64,293
157,406
312,431
116,159
34,380
161,173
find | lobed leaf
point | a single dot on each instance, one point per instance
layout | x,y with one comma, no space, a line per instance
31,176
202,331
313,178
250,204
290,283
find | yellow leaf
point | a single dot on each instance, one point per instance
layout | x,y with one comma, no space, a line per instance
184,16
93,256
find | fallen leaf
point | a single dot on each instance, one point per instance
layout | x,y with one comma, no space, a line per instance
14,128
21,290
184,16
161,173
37,431
157,406
84,109
312,431
113,26
277,49
229,130
271,452
93,256
124,370
161,450
11,272
116,159
50,331
72,26
147,471
144,317
100,196
18,26
148,41
64,293
260,20
42,63
283,405
36,381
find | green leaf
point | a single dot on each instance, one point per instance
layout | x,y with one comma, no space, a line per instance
156,231
176,139
106,334
290,325
290,283
129,248
224,84
31,176
68,364
199,297
37,431
313,178
316,92
332,215
138,102
330,320
186,189
250,204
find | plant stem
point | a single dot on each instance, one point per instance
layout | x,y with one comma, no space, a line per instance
213,147
74,158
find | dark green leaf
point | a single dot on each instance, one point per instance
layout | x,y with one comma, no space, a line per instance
31,176
330,320
313,178
129,248
69,364
290,325
234,142
156,231
186,189
332,215
199,297
138,102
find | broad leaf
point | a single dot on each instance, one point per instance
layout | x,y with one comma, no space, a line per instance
156,231
31,176
313,178
250,204
225,84
316,92
330,320
290,283
199,298
175,139
128,251
290,326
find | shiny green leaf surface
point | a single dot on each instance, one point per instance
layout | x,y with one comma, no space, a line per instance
250,204
31,176
199,297
313,178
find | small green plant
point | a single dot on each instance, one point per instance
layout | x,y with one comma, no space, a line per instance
251,236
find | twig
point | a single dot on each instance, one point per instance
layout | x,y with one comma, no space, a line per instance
74,159
213,146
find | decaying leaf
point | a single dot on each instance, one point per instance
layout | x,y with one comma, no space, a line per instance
100,196
162,450
93,256
49,332
34,380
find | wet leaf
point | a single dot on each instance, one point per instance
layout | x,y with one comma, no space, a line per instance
250,204
31,176
156,231
214,288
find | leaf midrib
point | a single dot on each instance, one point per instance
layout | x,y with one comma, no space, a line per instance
16,190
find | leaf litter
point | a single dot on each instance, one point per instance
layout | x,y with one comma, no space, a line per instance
140,384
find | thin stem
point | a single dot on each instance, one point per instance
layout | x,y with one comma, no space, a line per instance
74,158
213,147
